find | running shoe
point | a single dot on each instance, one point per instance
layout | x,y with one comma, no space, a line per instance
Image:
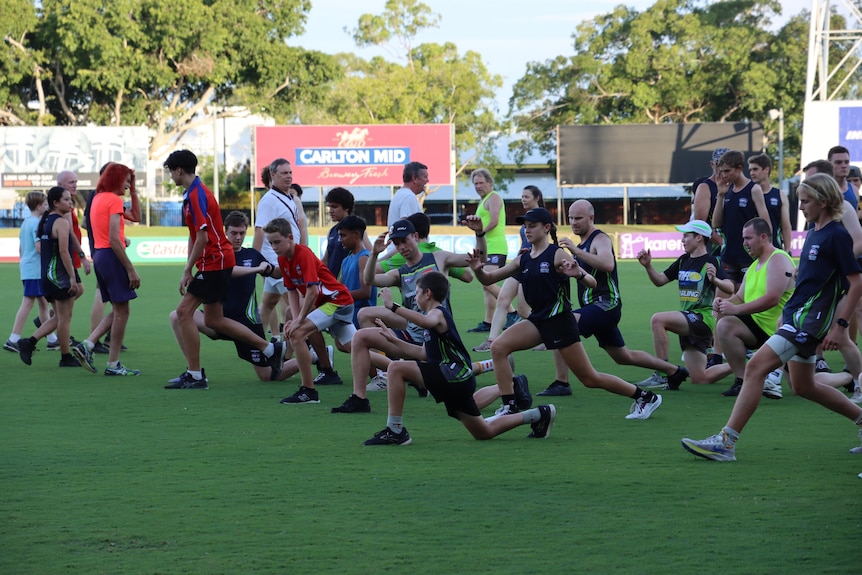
771,388
353,404
734,389
389,437
329,377
675,380
505,409
656,380
121,370
83,354
558,388
302,395
187,381
718,447
11,346
69,361
378,383
484,346
26,347
542,428
482,326
642,409
522,393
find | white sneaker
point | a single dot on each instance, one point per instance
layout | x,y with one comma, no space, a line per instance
642,410
857,396
772,388
378,383
858,449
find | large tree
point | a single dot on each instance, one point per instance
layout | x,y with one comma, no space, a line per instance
677,61
428,83
128,62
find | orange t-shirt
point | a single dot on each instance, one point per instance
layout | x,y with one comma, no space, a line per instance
106,204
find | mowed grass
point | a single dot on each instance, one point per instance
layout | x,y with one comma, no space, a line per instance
101,475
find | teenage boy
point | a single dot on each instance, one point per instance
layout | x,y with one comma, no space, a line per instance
443,366
351,231
326,305
339,202
210,251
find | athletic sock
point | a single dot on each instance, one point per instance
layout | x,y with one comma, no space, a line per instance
196,374
731,434
113,364
509,399
90,345
563,383
532,415
268,350
14,337
486,365
52,338
393,422
642,394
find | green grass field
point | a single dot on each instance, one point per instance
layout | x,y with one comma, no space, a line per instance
106,476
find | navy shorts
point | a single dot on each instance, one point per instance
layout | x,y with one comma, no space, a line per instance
33,288
210,287
243,350
557,331
602,323
456,395
805,343
112,277
699,335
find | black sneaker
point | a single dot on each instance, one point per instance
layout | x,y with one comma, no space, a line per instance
522,393
714,359
542,428
734,389
37,322
26,347
54,345
101,348
180,376
821,366
186,381
389,437
675,380
481,327
303,395
422,391
556,389
108,343
68,361
328,378
11,346
277,357
511,319
354,404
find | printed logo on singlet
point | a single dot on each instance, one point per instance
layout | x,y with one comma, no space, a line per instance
743,202
544,268
773,201
813,251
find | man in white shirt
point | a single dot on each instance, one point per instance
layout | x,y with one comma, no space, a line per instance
405,203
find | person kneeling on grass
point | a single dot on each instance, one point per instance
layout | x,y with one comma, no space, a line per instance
443,367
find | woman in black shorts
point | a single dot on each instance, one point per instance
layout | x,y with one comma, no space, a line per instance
544,274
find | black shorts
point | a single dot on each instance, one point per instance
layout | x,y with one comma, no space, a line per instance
805,343
243,350
53,292
602,323
498,260
405,336
760,336
699,335
557,331
456,395
210,287
734,272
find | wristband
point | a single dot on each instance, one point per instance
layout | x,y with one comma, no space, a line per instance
394,307
480,234
842,322
82,255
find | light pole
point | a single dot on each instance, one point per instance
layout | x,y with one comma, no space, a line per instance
779,115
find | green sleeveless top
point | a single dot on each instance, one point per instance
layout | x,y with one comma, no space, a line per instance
755,287
496,238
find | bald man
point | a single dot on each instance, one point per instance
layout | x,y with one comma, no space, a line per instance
601,307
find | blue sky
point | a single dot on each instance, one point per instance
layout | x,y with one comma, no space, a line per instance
507,33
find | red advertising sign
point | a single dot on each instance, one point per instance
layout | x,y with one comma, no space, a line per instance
357,155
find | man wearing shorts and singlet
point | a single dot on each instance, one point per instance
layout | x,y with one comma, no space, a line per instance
493,215
443,367
698,275
600,309
212,254
826,264
705,198
747,318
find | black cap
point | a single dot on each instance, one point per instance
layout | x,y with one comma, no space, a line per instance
540,215
402,229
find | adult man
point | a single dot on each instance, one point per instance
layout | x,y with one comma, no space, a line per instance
826,263
115,274
278,202
705,197
839,157
854,178
750,316
404,202
601,307
736,204
493,216
777,203
405,239
212,254
698,275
